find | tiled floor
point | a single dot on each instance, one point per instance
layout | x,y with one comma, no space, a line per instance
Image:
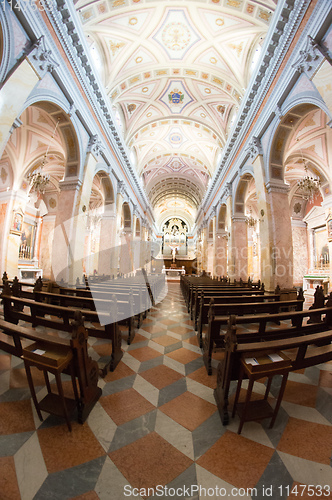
157,425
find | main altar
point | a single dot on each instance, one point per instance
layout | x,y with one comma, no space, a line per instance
173,272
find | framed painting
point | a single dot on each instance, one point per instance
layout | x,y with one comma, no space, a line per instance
17,222
27,241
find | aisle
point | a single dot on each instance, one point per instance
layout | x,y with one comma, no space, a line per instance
157,424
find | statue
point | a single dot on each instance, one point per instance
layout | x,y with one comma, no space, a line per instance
174,253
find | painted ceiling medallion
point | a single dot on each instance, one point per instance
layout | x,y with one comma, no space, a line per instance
176,96
176,36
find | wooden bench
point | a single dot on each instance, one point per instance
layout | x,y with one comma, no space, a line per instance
85,369
225,306
216,337
312,348
125,305
108,329
214,293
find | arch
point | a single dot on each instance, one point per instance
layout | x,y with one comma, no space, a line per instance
126,216
138,228
5,45
222,217
240,193
210,231
281,136
68,130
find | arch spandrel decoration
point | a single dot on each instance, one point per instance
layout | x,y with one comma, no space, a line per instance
69,136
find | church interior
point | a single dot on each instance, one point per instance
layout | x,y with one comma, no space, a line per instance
168,165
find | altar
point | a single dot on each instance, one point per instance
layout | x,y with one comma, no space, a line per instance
173,273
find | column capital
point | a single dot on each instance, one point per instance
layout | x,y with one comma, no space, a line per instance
95,145
238,218
275,186
254,148
41,57
70,184
310,57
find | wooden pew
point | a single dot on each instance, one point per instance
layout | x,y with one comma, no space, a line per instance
220,292
216,338
125,306
86,369
14,312
243,305
312,348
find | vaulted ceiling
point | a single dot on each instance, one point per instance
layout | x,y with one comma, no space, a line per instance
175,73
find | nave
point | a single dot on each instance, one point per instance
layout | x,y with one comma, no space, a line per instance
157,424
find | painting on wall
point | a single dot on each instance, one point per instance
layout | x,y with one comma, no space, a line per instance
27,241
17,222
322,256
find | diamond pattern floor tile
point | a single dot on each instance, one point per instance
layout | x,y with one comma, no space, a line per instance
162,462
157,409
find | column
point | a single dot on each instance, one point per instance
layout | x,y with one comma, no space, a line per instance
275,229
204,248
221,253
107,263
239,248
70,229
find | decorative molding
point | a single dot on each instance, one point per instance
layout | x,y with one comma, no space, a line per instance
310,57
95,145
238,218
254,148
16,124
70,184
277,187
43,56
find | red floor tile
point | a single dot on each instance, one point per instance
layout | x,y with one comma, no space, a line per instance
302,394
237,460
307,440
161,376
121,371
183,355
150,461
125,406
8,480
188,410
63,449
144,353
16,416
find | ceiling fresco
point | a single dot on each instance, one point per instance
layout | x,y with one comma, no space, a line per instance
175,73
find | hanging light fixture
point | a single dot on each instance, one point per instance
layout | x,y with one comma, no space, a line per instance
37,179
250,220
308,186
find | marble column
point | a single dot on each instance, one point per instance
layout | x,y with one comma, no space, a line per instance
275,229
70,229
204,248
239,249
106,262
221,253
300,248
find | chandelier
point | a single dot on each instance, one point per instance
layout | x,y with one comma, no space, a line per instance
250,220
37,179
308,186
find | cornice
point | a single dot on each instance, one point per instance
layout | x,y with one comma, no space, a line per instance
288,16
61,14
